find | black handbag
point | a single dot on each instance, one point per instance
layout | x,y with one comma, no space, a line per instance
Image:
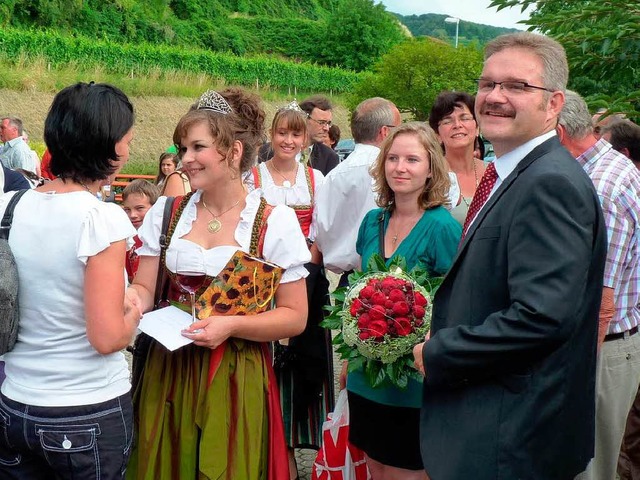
9,308
143,341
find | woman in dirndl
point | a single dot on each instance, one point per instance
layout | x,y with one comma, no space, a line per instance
210,410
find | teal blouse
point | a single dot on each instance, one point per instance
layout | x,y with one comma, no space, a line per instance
433,243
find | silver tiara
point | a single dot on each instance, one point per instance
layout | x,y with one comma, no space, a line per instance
293,106
212,100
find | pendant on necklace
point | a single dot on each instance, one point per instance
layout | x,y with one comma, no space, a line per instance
286,184
214,226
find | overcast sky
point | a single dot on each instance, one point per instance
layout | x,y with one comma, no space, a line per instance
476,11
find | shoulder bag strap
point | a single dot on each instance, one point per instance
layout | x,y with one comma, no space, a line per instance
381,234
160,280
7,218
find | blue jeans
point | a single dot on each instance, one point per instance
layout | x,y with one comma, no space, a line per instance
83,442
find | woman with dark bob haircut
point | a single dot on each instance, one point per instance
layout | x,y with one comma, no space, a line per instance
65,407
453,118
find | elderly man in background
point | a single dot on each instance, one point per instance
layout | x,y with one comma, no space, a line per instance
617,182
15,152
346,194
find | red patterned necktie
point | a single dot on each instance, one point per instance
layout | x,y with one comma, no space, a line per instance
480,197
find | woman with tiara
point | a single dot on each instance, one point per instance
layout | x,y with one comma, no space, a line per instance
210,410
303,363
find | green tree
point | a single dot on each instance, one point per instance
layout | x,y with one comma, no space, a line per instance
413,73
602,40
358,32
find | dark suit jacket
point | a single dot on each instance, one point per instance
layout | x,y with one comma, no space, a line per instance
510,366
322,158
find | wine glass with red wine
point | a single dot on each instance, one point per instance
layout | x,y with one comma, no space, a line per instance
190,275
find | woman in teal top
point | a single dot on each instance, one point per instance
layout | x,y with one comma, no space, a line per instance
411,180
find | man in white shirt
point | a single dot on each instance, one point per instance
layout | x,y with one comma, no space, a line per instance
346,194
15,152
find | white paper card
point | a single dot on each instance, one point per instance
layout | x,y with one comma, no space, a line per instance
165,325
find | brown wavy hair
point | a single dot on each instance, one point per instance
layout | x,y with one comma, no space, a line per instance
245,123
436,187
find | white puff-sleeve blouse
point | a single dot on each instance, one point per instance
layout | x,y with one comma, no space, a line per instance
284,244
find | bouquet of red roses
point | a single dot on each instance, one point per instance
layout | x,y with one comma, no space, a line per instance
382,315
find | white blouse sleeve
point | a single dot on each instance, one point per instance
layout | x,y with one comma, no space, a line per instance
285,245
149,232
104,224
454,191
318,180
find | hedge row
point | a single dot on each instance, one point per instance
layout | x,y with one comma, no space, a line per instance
143,58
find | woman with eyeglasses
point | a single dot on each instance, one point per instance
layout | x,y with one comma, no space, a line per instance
452,117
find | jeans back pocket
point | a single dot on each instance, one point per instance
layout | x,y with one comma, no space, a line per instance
71,450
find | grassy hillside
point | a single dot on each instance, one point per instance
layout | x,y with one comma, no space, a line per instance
433,25
290,28
156,117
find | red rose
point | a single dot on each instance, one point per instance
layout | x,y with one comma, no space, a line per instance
366,292
403,326
396,295
388,304
377,313
378,298
355,306
388,282
364,335
400,309
418,322
419,299
363,320
418,311
378,328
374,283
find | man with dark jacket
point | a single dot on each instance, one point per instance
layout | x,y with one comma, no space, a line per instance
509,389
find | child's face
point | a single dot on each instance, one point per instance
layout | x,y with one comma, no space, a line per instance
136,206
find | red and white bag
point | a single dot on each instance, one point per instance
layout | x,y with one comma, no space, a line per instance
338,459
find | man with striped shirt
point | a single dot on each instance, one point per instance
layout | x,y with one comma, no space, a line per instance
617,182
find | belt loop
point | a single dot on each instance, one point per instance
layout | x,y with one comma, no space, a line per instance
625,334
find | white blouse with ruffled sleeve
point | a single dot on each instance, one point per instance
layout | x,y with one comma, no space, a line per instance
53,236
284,244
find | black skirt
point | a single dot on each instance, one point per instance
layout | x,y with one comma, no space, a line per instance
389,435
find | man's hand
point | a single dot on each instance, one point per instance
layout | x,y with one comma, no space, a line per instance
417,358
417,355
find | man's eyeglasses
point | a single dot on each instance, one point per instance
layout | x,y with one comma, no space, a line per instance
322,123
509,87
448,121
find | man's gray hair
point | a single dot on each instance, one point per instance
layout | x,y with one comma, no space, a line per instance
16,123
555,72
575,116
369,117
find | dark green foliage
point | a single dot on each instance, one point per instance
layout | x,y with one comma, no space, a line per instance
413,73
433,25
358,33
144,58
602,40
347,33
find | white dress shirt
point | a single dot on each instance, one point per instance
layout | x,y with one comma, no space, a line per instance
341,203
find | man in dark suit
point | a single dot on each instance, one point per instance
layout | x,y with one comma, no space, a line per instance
319,120
510,363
